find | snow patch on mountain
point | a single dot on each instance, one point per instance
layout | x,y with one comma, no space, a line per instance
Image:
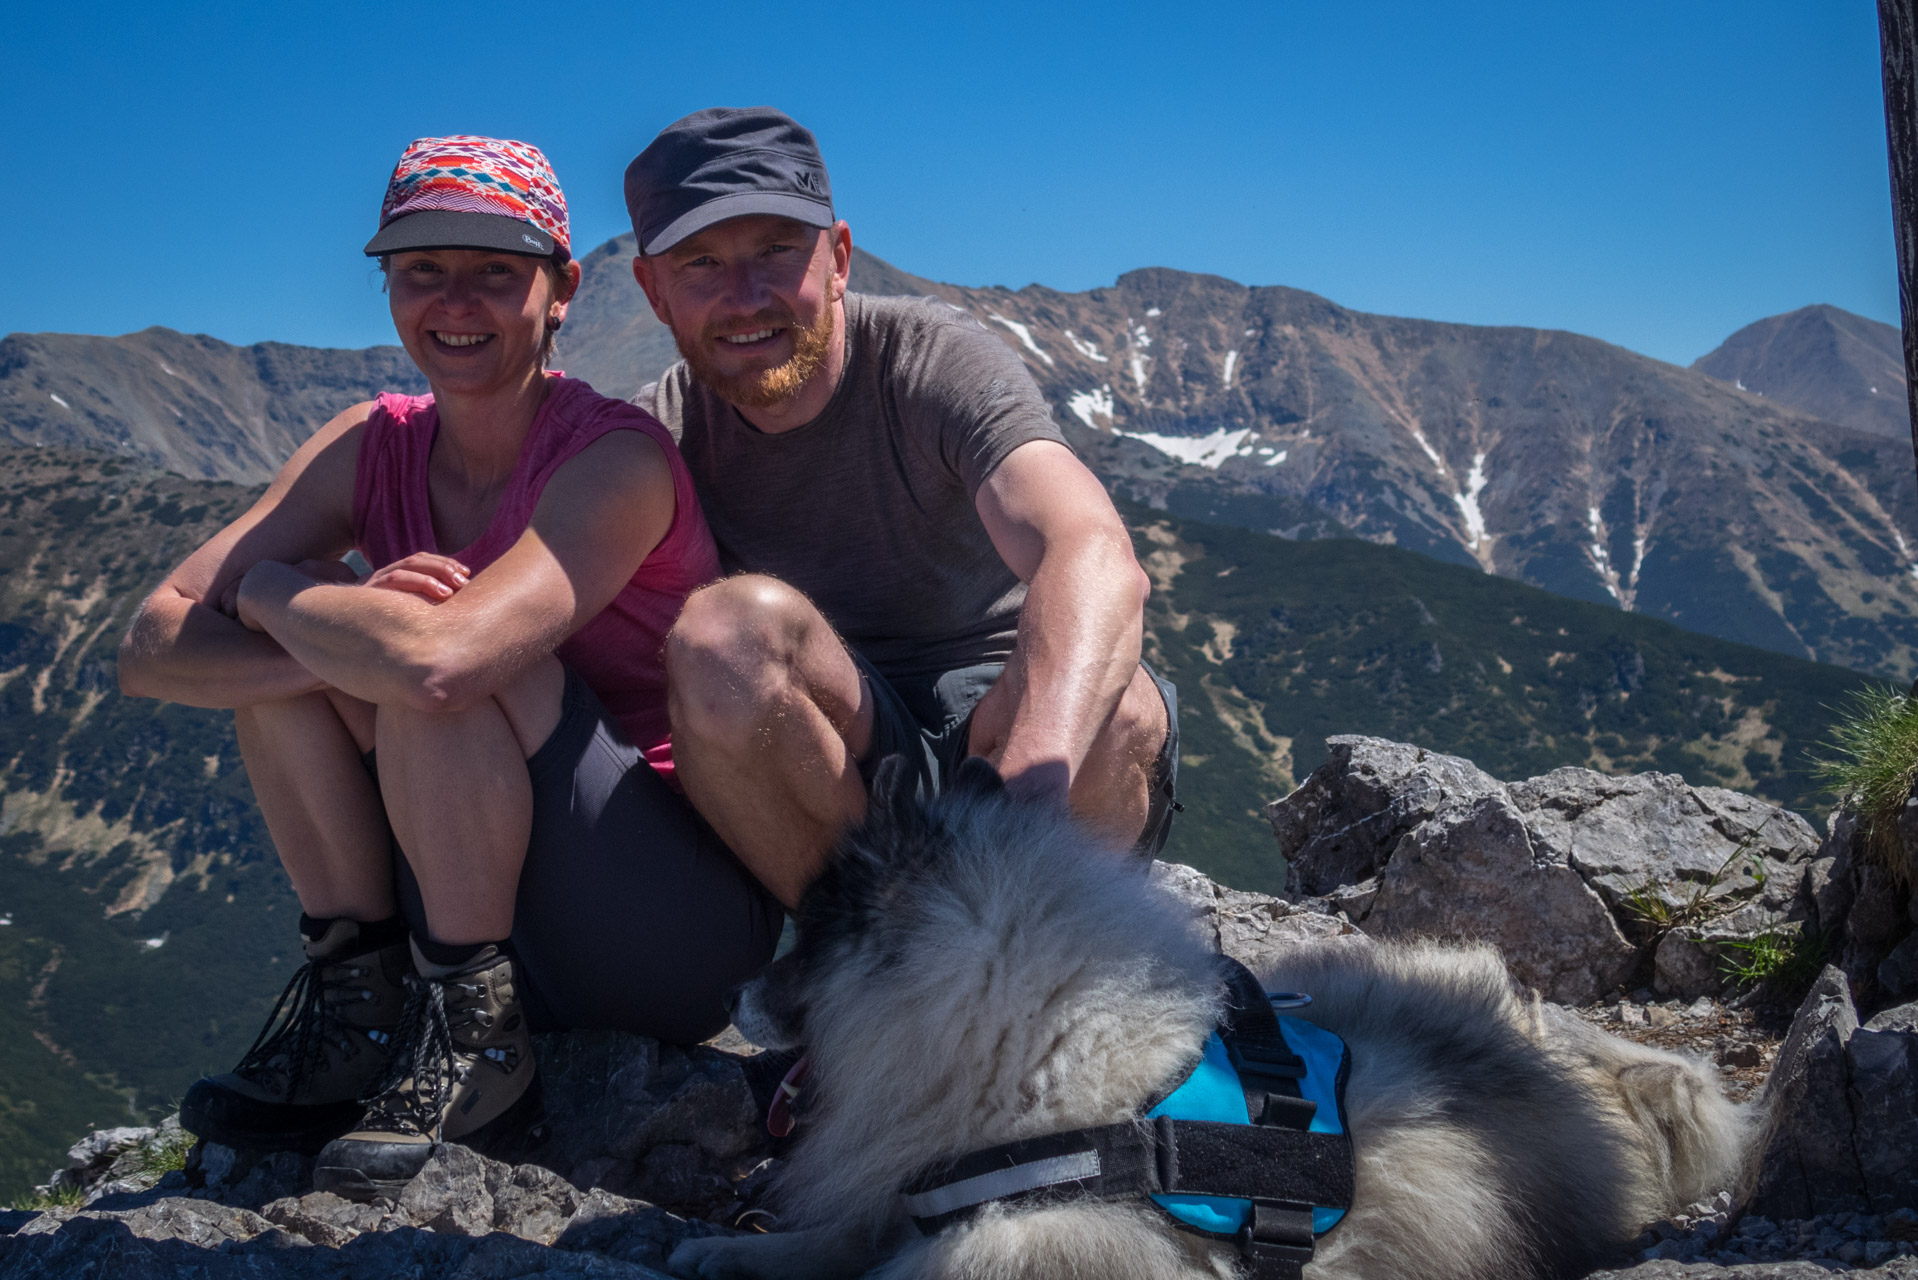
1204,451
1087,403
1090,350
1025,335
1468,501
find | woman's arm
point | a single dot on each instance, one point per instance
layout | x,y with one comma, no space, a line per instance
598,518
183,648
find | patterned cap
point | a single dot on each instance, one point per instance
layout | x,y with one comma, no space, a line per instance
465,192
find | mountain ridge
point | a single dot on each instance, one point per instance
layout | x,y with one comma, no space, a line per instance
1822,360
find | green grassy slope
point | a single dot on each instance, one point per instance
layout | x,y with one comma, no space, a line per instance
1276,645
124,822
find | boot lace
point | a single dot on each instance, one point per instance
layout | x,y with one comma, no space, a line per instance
293,1041
409,1096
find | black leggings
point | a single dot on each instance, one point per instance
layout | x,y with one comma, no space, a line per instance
631,913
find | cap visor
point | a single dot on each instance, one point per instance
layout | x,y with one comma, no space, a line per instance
451,229
781,205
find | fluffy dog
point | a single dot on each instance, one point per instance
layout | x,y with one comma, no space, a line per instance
980,971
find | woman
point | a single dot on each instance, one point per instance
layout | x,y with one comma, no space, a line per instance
468,748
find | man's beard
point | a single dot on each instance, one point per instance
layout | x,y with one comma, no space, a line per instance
768,387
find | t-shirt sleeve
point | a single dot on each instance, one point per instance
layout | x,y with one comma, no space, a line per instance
978,397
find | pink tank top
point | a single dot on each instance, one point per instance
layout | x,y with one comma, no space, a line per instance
617,653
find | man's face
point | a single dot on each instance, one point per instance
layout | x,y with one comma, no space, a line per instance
750,303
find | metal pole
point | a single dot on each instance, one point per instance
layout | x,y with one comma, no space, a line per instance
1898,48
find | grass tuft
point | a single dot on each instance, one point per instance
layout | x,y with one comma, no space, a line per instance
1703,903
1873,770
166,1153
61,1197
1788,958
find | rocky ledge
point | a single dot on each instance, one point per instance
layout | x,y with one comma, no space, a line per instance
1660,886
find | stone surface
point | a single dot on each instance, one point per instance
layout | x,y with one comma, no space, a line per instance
1250,927
1899,1269
1898,971
1807,1164
1884,1100
626,1113
1585,882
1342,824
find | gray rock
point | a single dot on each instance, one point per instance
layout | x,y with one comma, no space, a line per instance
612,1097
1654,836
1898,971
1342,825
1473,870
450,1194
1807,1164
1884,1103
1828,882
1876,922
1577,876
1898,1269
1250,927
1902,1017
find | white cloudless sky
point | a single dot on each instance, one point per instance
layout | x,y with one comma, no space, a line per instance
1651,173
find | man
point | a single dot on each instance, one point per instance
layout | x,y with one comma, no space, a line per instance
927,567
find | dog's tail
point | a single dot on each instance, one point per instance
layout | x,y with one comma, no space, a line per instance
1689,1139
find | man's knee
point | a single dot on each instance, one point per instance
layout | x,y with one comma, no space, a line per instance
738,645
738,629
1139,724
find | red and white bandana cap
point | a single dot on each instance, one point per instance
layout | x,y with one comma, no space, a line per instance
466,192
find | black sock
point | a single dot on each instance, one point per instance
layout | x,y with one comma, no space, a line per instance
373,934
450,953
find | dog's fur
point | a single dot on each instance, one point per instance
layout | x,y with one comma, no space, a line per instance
980,970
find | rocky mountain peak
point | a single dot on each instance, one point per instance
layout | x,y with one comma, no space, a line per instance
1823,361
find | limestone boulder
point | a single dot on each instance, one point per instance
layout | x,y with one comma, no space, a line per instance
1588,883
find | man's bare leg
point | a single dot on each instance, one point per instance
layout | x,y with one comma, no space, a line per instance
323,811
770,718
461,802
1112,790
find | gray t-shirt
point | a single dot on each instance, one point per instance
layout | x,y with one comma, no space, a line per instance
868,508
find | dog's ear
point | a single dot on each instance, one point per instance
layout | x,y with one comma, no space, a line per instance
892,806
977,776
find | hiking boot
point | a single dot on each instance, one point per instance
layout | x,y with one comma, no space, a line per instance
462,1071
325,1042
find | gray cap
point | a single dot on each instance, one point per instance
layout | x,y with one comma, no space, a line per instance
725,162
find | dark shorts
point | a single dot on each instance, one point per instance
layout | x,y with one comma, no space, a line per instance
631,913
928,720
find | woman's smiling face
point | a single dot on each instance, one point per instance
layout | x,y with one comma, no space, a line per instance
472,319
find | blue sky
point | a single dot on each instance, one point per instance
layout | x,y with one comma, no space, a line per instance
1654,173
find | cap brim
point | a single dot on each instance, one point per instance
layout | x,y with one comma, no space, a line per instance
813,213
453,229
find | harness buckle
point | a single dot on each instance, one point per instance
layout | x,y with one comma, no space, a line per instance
1276,1241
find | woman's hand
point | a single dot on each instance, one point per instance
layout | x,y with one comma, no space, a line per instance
433,578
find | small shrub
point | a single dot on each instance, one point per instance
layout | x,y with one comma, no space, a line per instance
1787,958
64,1196
1876,741
1702,904
166,1153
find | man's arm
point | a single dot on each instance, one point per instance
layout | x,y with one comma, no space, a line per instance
1083,620
598,518
183,647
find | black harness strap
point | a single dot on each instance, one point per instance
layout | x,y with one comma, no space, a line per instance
1275,1162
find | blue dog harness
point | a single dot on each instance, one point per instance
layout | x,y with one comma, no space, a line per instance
1249,1148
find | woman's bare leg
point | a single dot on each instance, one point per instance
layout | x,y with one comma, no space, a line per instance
322,809
461,802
